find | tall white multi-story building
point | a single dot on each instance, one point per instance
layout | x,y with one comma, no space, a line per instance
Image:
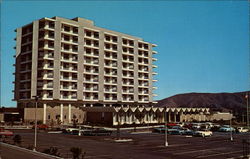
72,62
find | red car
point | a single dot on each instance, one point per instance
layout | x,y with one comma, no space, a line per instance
41,127
5,133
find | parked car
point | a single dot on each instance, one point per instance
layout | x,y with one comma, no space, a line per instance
97,132
196,126
187,132
175,131
160,129
41,127
242,129
5,133
203,133
226,128
70,130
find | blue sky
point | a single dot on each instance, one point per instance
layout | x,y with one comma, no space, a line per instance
203,46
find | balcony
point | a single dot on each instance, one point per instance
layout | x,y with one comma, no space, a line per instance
143,85
154,52
68,78
90,71
92,80
154,59
91,54
106,90
69,50
91,62
47,96
127,84
127,100
110,39
143,92
111,65
74,97
95,46
154,66
90,89
110,49
110,99
128,76
128,91
91,35
154,45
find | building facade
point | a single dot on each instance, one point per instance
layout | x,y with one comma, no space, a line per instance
71,63
113,116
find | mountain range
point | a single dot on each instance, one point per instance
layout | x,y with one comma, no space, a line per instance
216,101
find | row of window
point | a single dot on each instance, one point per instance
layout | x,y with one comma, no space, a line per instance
86,95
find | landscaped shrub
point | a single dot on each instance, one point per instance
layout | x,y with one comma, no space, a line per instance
52,151
17,139
76,152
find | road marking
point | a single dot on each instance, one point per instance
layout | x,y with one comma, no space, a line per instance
238,157
97,156
196,151
142,132
174,145
218,154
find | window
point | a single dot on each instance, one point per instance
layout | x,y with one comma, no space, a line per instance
67,28
75,39
52,25
96,34
51,44
66,47
66,37
88,33
51,34
75,30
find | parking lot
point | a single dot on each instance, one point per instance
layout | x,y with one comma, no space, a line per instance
144,145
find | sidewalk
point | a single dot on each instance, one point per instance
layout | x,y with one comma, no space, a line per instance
13,152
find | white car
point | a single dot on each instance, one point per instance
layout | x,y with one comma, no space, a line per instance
203,133
242,129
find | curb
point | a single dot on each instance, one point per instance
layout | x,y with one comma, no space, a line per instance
34,152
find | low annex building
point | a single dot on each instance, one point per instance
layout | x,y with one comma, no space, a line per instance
144,115
119,115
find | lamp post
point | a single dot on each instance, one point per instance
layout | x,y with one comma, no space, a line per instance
231,129
247,110
36,99
166,128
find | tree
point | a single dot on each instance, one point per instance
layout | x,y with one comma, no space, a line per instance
120,114
17,139
75,121
52,151
76,152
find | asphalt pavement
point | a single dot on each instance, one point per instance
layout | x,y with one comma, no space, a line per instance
144,145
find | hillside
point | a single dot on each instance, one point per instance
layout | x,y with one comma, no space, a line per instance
217,101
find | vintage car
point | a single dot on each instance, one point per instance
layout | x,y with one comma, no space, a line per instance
5,133
226,128
41,127
97,132
242,129
204,133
